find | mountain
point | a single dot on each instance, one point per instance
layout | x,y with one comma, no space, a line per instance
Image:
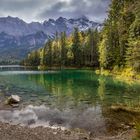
17,37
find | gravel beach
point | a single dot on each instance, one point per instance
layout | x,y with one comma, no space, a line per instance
17,132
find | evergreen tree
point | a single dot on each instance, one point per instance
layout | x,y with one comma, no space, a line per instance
117,46
76,48
133,51
56,50
42,57
93,43
63,49
49,58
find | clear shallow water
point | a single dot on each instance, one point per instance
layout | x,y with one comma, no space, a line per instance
68,98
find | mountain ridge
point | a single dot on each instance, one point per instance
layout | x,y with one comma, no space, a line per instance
20,27
16,34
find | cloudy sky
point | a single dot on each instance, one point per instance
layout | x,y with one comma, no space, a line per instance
39,10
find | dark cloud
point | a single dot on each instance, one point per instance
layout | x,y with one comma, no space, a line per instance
20,5
31,10
94,9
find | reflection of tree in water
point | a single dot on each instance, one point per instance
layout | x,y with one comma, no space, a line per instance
79,90
85,87
101,87
73,87
132,96
128,98
117,94
118,120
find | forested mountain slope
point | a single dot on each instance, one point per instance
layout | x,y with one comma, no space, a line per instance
17,38
116,48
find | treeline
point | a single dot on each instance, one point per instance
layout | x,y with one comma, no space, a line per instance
79,49
9,62
120,39
115,48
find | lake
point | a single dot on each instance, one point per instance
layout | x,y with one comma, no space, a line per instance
67,98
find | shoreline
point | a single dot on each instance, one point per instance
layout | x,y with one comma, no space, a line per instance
17,132
120,76
8,131
123,76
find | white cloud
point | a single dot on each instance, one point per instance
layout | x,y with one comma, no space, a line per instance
34,10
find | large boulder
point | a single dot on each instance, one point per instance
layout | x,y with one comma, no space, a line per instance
13,99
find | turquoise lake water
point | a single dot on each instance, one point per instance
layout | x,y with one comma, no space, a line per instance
67,98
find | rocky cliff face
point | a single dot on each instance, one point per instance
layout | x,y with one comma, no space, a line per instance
18,37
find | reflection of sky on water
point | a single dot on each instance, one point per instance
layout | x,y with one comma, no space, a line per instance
89,118
25,72
71,98
64,88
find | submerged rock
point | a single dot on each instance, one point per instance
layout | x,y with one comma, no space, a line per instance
119,108
13,99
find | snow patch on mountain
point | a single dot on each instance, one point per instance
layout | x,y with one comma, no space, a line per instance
23,37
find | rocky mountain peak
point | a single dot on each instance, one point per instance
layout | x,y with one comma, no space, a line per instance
16,34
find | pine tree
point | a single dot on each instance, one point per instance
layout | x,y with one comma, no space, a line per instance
117,48
63,49
103,52
93,39
133,51
42,56
56,50
76,48
48,57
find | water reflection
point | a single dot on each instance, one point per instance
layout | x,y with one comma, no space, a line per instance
101,87
78,95
68,86
70,118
